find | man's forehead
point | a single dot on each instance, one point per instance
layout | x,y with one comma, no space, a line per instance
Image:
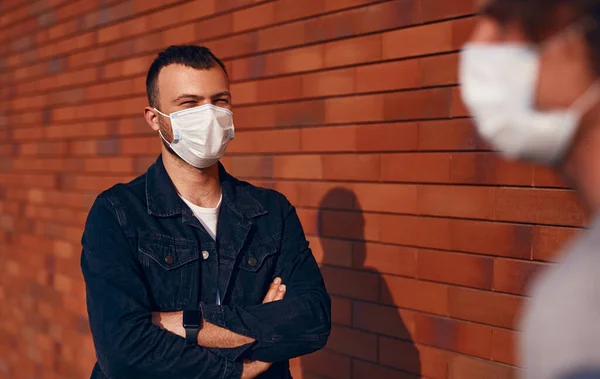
176,79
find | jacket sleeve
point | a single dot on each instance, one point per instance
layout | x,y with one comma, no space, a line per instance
297,325
127,344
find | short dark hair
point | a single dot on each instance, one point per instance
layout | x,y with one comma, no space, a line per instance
197,57
537,17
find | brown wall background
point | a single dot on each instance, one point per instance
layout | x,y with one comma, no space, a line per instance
349,107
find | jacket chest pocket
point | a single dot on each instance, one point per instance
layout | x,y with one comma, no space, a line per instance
172,269
255,270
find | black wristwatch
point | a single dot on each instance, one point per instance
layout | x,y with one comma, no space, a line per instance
192,322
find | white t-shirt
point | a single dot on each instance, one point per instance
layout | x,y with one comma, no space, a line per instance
208,217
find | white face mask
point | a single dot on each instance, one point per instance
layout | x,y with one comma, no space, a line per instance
499,83
200,134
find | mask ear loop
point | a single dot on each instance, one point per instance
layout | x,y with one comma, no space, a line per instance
176,134
588,99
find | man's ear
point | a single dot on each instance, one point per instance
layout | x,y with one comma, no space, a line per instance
151,117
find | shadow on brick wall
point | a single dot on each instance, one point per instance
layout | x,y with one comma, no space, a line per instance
364,317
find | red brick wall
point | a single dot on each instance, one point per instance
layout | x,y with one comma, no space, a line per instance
349,107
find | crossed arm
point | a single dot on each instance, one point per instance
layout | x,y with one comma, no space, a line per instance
214,336
130,345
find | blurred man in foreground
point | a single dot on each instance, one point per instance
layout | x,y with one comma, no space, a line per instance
530,78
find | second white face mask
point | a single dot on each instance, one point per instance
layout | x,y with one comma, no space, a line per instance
498,86
201,134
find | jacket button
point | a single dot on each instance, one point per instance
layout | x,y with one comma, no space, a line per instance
205,254
169,259
252,261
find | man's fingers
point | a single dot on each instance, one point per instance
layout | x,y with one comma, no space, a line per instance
280,293
272,291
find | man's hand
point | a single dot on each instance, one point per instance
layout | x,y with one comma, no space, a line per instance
276,291
171,321
252,369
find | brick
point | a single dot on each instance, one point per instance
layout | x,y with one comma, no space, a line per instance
327,196
298,167
350,167
384,320
353,51
414,294
489,168
424,104
445,333
332,139
246,167
328,83
465,367
340,224
214,27
395,198
388,137
286,10
461,269
353,342
341,311
448,135
416,168
271,141
296,60
484,307
327,363
351,283
286,35
458,107
439,70
365,370
388,76
279,89
547,241
504,345
254,17
354,109
513,276
332,251
417,359
183,34
419,40
455,201
454,234
387,259
440,9
505,240
540,206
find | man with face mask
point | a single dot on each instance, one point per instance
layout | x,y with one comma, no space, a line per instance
191,273
530,78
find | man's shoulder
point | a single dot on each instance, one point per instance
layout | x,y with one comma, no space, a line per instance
120,192
136,187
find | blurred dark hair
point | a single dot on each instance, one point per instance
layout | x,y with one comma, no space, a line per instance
538,18
198,57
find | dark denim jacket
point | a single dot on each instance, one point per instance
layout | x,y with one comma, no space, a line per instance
144,251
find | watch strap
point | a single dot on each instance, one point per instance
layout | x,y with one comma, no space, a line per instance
191,334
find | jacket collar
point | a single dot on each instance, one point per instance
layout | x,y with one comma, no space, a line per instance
164,201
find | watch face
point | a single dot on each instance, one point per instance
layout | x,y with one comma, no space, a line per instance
192,318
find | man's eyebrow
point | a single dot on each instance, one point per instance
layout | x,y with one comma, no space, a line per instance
198,98
221,94
187,96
